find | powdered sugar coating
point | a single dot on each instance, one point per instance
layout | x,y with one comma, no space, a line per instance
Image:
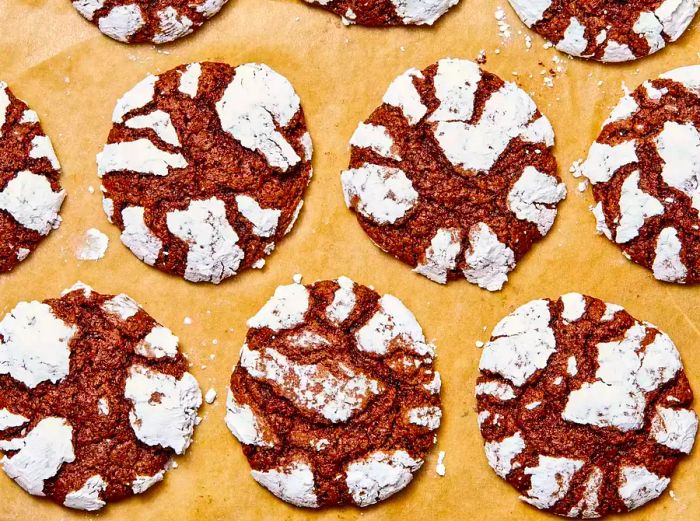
407,199
646,182
285,310
131,21
379,476
88,496
244,424
31,201
387,12
612,385
293,484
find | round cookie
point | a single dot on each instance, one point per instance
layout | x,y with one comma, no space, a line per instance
205,168
608,30
387,12
30,194
95,399
453,173
645,172
148,21
584,409
334,398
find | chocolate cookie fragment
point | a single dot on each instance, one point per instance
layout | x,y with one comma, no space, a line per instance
608,30
148,21
205,168
453,173
387,12
30,194
584,409
645,172
95,399
334,398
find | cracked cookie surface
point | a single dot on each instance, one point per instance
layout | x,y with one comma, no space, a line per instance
386,12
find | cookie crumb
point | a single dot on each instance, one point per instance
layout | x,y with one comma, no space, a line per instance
94,245
187,321
440,467
210,396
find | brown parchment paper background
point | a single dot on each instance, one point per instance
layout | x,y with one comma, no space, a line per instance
72,76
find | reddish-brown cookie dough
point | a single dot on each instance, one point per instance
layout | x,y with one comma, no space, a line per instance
95,399
335,399
148,21
645,172
608,30
584,409
30,194
453,173
205,168
387,12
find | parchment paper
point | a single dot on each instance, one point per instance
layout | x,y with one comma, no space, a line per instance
72,75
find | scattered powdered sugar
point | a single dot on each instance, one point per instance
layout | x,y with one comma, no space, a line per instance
88,496
379,475
164,409
93,247
35,344
285,310
293,483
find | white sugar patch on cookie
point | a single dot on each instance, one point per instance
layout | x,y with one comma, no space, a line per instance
679,148
256,100
615,52
668,265
88,496
456,82
588,505
506,115
108,208
285,310
137,97
601,226
675,428
293,483
189,79
523,343
35,344
87,8
639,486
675,16
93,246
42,148
103,407
122,306
171,26
42,453
636,206
143,483
402,93
530,11
343,301
392,325
500,454
336,393
574,41
28,116
375,138
421,12
138,237
122,22
625,108
264,220
158,121
8,420
688,76
500,390
574,306
379,475
380,193
31,201
650,28
530,195
4,104
488,260
441,256
604,160
140,156
164,409
209,8
434,386
428,417
625,373
158,343
610,311
244,424
550,480
213,253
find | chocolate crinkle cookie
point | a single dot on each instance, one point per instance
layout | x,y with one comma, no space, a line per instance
95,399
148,21
608,30
584,409
453,174
205,168
387,12
30,194
645,172
334,399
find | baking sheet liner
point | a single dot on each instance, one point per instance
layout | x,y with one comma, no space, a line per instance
72,75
